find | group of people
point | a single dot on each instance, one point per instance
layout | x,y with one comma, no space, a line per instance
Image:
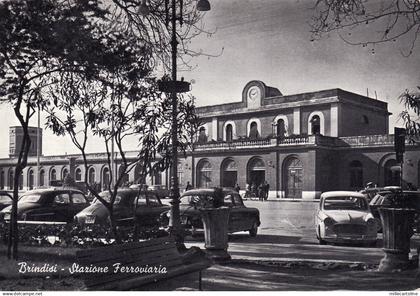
261,191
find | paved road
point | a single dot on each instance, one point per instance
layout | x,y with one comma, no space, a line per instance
287,234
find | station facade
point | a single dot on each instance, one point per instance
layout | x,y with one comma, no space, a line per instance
301,145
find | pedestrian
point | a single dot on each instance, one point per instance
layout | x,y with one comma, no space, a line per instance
261,192
254,189
266,190
188,187
237,188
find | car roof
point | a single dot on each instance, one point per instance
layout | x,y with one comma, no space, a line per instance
201,191
341,193
49,190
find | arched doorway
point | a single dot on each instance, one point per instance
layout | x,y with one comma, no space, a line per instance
229,133
91,176
64,173
392,171
105,179
204,173
229,174
31,179
42,178
316,125
293,178
78,174
281,128
253,131
256,171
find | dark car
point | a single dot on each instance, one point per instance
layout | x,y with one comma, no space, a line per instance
129,204
5,199
241,218
53,204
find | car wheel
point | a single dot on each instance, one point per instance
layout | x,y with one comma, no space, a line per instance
253,231
318,236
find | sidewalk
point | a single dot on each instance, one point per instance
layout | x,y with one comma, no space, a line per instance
276,263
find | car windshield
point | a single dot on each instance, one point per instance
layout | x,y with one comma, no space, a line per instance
199,201
107,197
5,198
345,203
30,198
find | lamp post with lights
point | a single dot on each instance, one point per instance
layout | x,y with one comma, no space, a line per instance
174,87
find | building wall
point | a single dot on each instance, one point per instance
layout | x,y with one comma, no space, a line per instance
353,121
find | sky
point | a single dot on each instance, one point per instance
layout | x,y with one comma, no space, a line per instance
270,40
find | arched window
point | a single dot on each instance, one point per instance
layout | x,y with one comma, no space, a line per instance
105,179
281,128
253,131
91,177
356,175
392,172
53,175
31,179
204,173
202,137
2,180
42,178
64,173
316,125
11,179
229,133
78,174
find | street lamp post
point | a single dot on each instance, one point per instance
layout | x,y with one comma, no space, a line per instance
174,87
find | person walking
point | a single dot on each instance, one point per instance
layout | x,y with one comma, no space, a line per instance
266,190
261,192
237,188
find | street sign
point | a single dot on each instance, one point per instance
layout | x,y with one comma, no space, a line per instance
399,143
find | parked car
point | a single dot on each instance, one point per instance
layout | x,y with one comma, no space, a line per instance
241,218
160,190
384,199
53,204
345,217
5,199
129,204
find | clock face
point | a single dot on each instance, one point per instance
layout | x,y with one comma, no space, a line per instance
254,93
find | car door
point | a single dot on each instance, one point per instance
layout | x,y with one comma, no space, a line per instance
61,207
245,216
234,219
141,208
78,202
154,209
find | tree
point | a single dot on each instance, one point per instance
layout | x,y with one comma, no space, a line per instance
411,114
38,39
385,21
114,110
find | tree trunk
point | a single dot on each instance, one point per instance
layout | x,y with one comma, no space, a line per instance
114,225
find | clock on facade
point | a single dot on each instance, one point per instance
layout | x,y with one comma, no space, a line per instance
254,93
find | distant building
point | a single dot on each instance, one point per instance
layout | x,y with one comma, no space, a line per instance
16,138
300,144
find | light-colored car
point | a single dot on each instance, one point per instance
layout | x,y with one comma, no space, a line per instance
345,217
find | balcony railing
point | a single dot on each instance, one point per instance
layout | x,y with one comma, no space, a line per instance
259,143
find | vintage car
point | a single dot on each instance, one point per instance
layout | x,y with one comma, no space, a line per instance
241,218
53,204
5,199
130,204
344,217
